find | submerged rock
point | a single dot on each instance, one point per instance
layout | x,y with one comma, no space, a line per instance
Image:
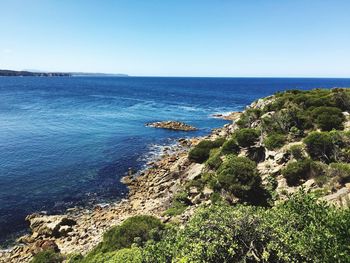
172,125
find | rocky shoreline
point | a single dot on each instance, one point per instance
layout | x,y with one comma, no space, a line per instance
150,192
232,116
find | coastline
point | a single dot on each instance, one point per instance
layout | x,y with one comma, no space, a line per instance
150,192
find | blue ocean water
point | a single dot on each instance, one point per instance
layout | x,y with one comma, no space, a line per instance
68,141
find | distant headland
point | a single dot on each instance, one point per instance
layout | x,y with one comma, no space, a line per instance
26,73
13,73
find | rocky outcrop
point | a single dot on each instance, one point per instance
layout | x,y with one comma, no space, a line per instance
172,125
50,226
340,198
232,116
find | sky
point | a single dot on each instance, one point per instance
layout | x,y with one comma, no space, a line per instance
246,38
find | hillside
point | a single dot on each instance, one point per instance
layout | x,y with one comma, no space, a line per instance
273,186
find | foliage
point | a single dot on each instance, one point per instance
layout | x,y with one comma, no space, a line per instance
341,171
256,153
180,203
137,228
230,147
214,160
239,176
321,145
125,255
200,153
274,141
341,99
47,256
297,152
301,229
248,117
74,258
307,230
246,137
297,171
328,118
295,111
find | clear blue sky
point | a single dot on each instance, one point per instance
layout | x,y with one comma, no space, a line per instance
179,37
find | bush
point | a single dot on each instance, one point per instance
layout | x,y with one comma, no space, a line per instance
341,171
200,153
239,176
341,99
320,146
125,255
302,229
305,229
180,203
246,137
214,160
142,228
274,141
297,152
297,171
47,256
230,147
328,118
74,258
248,117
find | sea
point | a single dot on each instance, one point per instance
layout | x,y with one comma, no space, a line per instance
67,141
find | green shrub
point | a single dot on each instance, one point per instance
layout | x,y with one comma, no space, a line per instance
319,171
239,176
328,118
297,171
200,153
341,171
124,235
320,146
248,117
47,256
297,152
341,99
124,255
214,160
302,229
74,258
180,203
274,141
204,179
256,153
230,147
305,229
246,137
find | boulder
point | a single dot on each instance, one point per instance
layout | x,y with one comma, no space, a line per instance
50,226
207,191
193,190
42,245
281,158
